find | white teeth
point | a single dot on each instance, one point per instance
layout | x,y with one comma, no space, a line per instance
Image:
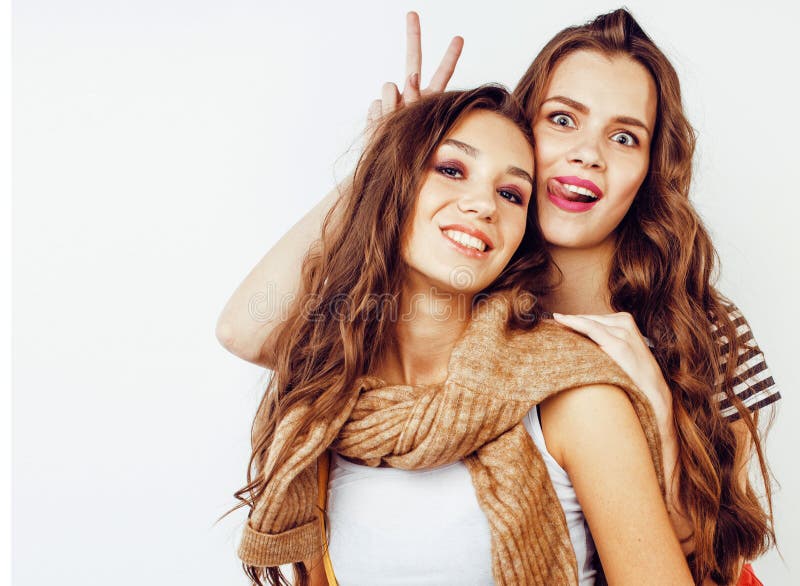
580,190
466,240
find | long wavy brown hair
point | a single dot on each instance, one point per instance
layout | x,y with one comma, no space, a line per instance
351,280
662,273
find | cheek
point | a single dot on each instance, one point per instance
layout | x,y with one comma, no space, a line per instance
543,151
548,152
515,230
425,209
630,178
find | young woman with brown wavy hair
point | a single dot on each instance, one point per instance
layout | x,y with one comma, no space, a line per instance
613,176
614,152
435,337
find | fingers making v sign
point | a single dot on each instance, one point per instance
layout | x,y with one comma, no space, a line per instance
391,98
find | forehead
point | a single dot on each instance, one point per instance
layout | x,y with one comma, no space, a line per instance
494,135
612,85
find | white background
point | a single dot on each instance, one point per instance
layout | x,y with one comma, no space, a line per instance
162,146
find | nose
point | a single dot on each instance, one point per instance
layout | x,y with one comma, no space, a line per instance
480,200
586,153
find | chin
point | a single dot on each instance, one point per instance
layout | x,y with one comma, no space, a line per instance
455,288
575,239
564,239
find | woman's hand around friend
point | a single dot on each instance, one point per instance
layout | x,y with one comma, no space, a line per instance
391,98
620,338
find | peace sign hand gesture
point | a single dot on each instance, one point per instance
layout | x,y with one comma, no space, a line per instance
391,98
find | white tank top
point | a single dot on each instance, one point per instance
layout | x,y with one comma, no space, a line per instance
425,527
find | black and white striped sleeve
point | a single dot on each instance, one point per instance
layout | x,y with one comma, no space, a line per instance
753,382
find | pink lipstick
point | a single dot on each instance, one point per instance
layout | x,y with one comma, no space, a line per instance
467,250
562,197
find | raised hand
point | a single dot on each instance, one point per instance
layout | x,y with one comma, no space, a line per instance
440,79
391,98
620,338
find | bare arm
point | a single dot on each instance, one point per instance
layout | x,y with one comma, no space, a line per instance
261,301
619,337
595,435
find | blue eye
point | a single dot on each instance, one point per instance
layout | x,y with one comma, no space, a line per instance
561,119
625,139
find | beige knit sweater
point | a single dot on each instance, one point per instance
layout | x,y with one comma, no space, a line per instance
495,377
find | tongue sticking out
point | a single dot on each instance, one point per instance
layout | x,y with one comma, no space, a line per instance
557,188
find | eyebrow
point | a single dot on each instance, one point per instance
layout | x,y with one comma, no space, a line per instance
521,173
473,152
467,148
583,109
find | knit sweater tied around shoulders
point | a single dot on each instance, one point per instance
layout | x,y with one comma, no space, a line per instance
495,376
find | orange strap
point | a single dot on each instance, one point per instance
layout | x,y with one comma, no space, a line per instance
323,469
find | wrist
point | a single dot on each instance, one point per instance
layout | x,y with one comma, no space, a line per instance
669,438
661,402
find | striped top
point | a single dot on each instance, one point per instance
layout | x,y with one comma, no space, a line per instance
754,384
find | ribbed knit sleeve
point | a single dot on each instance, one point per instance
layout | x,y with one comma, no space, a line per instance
282,527
287,533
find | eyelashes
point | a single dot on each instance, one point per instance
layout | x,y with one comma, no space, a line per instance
562,119
630,138
511,196
454,170
566,120
450,169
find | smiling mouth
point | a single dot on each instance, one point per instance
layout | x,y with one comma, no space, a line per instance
465,240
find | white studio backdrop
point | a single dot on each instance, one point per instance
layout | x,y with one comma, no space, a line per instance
161,147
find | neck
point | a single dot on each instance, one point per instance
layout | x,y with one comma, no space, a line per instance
583,283
428,326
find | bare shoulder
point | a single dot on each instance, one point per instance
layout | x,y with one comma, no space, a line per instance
588,407
580,420
587,399
595,435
